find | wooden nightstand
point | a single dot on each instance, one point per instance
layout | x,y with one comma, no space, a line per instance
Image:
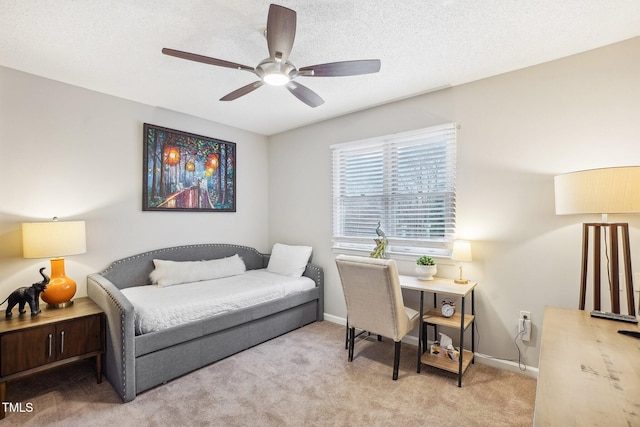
52,338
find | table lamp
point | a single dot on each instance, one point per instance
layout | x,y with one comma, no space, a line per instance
602,191
55,239
462,253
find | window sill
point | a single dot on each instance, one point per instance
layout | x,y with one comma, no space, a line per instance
398,256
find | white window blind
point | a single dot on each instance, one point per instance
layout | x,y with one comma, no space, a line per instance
407,182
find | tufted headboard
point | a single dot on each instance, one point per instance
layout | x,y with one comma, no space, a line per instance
134,270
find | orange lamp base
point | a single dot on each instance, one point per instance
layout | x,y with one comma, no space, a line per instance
61,288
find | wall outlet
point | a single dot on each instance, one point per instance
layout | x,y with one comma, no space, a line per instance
524,329
525,315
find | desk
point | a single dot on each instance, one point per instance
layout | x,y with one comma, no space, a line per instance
589,375
433,317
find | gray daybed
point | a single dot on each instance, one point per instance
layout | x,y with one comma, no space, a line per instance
134,363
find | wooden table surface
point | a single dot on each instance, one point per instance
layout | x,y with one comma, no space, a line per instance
589,374
83,306
437,285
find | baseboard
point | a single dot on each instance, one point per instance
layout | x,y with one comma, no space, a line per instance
507,365
335,319
484,359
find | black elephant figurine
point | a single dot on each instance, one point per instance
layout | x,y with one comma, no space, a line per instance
27,294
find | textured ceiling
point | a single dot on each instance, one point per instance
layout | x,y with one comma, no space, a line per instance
114,47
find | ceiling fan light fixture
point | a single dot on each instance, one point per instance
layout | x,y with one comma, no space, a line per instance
276,70
276,79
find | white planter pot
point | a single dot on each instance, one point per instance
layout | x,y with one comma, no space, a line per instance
426,272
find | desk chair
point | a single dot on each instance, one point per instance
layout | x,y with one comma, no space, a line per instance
374,301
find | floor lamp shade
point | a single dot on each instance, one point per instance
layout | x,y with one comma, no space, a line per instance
602,191
55,240
599,191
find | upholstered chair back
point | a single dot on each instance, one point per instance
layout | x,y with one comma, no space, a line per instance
373,296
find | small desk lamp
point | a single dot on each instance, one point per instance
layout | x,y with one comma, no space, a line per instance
55,240
602,191
461,252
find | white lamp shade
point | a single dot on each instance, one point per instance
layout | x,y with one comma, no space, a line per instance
600,191
461,251
53,239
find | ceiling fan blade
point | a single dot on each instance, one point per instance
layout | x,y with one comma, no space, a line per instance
281,31
205,59
305,94
242,91
344,68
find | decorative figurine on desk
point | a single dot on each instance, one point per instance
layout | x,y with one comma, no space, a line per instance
381,244
27,294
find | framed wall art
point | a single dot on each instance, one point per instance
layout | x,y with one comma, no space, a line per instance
187,172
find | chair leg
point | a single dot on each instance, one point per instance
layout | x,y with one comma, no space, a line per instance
352,335
346,338
396,360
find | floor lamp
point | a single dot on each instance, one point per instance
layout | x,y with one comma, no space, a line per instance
603,191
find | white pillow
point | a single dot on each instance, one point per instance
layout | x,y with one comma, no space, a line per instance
169,273
289,260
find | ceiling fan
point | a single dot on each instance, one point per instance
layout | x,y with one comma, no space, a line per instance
276,69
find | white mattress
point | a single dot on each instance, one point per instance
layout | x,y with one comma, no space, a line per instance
158,308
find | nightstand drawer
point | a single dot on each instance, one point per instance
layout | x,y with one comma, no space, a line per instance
22,350
79,336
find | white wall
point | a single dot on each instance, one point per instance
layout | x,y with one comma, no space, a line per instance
77,154
517,131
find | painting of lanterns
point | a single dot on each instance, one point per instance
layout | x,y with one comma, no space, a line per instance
187,172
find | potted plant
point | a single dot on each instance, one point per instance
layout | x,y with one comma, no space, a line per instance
426,267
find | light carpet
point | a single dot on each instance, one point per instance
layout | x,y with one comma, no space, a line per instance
300,378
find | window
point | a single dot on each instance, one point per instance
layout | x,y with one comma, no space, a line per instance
406,182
